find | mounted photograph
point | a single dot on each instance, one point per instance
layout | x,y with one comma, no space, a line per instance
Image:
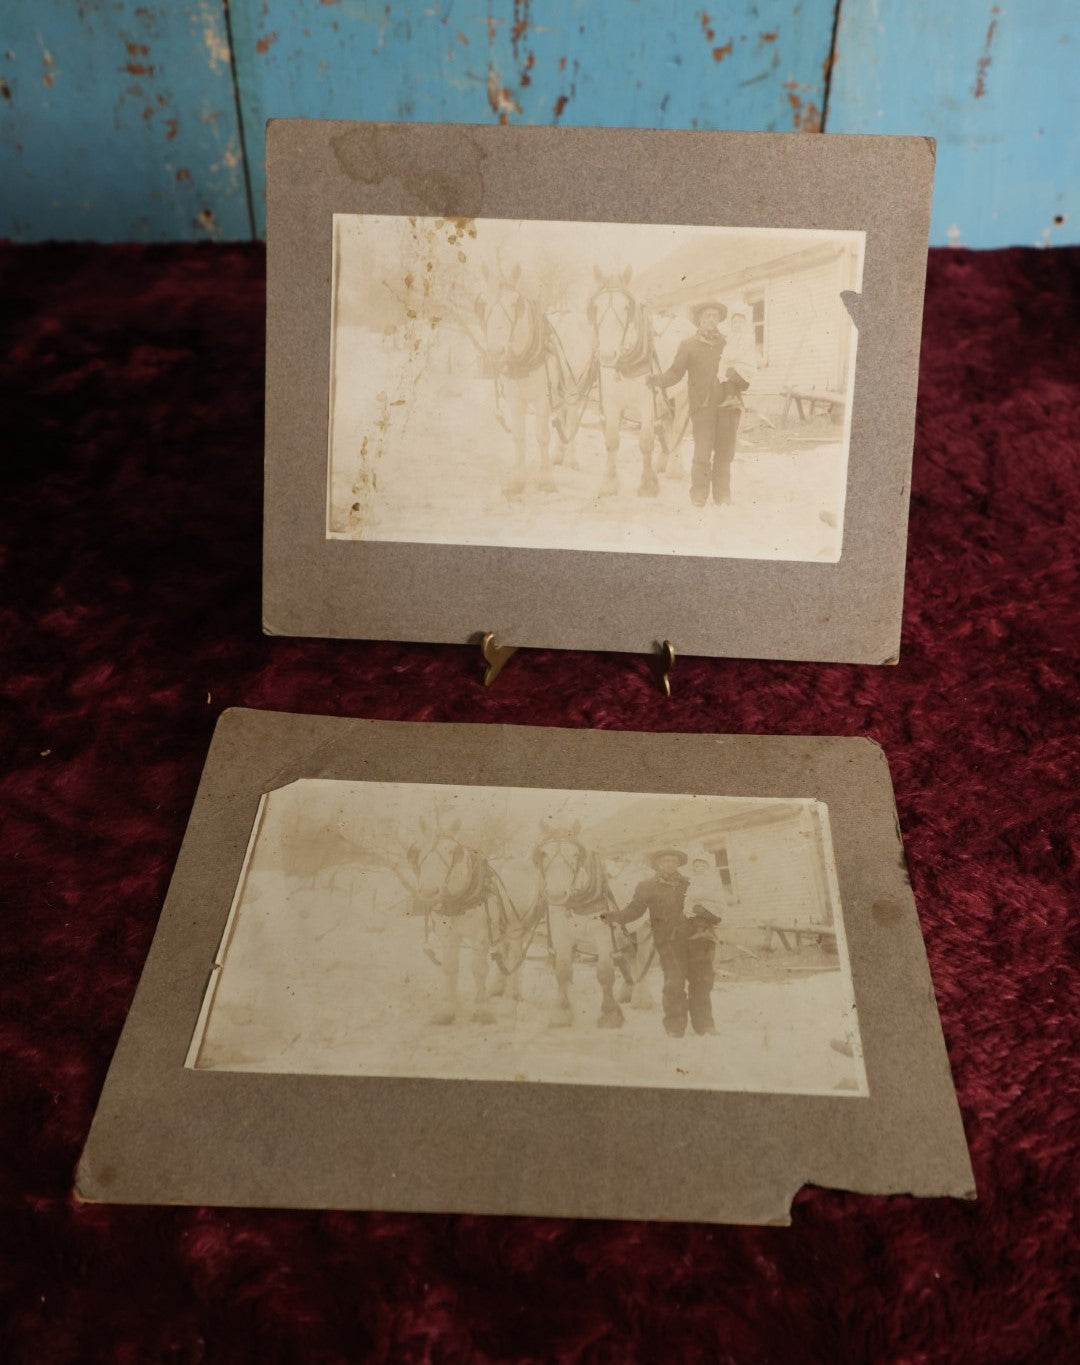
592,388
535,935
408,966
597,386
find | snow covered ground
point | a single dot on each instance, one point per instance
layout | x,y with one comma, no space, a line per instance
418,455
337,981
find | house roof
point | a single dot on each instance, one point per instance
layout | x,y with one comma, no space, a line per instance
702,268
642,829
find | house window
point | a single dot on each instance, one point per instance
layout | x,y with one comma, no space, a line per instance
723,866
757,321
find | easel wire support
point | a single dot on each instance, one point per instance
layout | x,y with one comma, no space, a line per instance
496,657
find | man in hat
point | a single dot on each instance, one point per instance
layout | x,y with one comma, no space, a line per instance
686,954
714,418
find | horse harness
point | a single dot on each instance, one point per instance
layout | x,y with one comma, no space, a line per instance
484,885
596,890
641,359
476,888
520,364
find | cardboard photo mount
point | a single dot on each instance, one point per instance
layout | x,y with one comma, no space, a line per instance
166,1134
849,611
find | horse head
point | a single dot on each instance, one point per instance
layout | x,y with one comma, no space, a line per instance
616,316
563,861
442,863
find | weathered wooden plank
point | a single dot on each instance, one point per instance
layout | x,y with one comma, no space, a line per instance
118,121
998,85
663,63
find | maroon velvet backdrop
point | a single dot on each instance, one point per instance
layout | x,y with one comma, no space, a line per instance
132,403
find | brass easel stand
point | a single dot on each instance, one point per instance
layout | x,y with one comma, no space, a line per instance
667,663
496,657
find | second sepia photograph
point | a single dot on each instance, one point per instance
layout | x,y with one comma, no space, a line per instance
535,935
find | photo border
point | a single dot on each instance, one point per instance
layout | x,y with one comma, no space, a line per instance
817,811
165,1134
578,537
579,599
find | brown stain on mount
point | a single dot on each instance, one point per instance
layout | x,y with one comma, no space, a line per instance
887,913
434,181
266,42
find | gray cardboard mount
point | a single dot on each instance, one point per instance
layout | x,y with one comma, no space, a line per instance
849,611
163,1134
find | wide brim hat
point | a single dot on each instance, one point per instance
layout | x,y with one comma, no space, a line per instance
700,308
654,858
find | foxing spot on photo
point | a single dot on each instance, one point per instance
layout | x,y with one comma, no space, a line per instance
539,935
592,386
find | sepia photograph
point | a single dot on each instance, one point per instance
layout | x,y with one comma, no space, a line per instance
536,935
618,387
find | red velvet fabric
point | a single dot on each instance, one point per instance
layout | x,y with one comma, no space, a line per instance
129,610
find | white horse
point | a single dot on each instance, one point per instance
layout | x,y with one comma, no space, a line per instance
574,891
518,345
626,354
465,904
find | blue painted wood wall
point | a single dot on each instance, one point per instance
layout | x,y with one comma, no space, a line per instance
144,121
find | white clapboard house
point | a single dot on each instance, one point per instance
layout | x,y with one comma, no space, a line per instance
770,856
792,295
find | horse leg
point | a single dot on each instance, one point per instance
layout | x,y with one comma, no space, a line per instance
508,961
516,483
649,486
481,948
562,942
611,1016
513,963
610,485
450,950
543,440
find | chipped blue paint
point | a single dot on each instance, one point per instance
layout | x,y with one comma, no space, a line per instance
998,85
657,63
118,121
